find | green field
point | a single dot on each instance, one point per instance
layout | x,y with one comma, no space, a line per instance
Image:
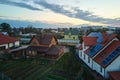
25,69
66,68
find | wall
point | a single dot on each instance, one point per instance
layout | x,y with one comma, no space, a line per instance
71,37
114,66
10,45
6,46
34,42
97,68
17,43
53,42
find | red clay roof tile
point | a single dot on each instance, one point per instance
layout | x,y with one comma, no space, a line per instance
104,37
45,39
4,39
90,41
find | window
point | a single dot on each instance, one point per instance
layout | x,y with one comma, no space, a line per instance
84,56
84,47
81,53
73,37
88,59
31,52
2,47
69,35
8,45
13,44
100,69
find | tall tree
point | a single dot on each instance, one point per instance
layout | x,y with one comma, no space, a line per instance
5,27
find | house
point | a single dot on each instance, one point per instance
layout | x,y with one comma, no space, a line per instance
7,42
18,52
42,46
45,45
71,34
100,52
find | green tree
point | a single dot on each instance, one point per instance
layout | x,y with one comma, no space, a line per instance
5,27
117,31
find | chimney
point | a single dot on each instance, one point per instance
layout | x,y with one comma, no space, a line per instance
104,37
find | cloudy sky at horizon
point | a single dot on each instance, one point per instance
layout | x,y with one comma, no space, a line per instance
67,12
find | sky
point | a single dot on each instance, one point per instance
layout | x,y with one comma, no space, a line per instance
61,13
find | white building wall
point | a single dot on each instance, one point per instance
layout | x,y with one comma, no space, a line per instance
89,62
80,53
84,57
6,46
10,45
98,68
17,43
114,66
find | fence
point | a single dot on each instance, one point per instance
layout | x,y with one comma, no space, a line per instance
68,42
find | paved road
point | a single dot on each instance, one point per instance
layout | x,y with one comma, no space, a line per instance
66,49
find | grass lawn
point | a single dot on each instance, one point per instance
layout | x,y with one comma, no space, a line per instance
66,68
24,69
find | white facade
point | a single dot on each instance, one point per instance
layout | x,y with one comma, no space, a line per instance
6,45
84,57
114,66
10,44
98,68
17,43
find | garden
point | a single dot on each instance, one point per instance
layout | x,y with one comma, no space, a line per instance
68,67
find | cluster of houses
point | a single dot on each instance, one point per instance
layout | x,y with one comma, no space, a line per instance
45,46
100,51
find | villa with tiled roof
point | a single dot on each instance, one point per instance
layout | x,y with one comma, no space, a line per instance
101,52
7,41
45,46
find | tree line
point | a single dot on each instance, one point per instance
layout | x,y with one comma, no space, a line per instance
14,31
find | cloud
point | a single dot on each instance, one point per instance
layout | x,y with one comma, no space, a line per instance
73,12
76,13
19,4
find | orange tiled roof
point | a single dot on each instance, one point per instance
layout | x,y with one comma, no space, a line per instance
90,41
45,39
4,39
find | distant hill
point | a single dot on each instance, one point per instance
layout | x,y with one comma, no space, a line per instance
25,23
